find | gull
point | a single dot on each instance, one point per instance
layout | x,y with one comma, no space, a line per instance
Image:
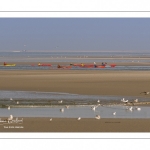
79,118
136,100
127,108
98,101
60,101
17,102
114,113
93,108
10,118
97,117
16,120
125,101
98,105
67,106
131,108
146,93
137,108
50,119
11,99
8,107
62,109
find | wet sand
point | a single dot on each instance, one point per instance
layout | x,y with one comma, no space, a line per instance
73,125
95,82
128,62
122,83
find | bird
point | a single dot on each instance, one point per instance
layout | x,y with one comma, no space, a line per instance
93,108
79,118
10,118
11,99
17,102
146,93
8,107
125,101
131,108
137,108
114,113
136,100
98,105
50,119
60,101
98,101
97,117
16,120
67,106
62,109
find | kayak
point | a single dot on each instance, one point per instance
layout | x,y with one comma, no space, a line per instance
9,65
100,67
64,67
44,64
112,65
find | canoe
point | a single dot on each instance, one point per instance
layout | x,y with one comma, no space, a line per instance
44,65
64,67
100,67
9,65
112,65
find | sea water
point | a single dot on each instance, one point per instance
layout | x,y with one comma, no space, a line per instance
77,111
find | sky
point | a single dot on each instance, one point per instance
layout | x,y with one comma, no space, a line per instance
75,34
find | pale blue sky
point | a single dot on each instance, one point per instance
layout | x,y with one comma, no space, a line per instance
75,34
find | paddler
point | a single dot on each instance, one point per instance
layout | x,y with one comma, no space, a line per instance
58,66
95,64
5,64
82,64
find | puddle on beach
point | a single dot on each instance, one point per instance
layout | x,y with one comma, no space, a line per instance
28,67
33,95
39,104
77,111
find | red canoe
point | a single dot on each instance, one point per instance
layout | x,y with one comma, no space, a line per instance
44,64
112,65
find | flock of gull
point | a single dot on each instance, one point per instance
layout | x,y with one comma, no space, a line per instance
123,100
11,119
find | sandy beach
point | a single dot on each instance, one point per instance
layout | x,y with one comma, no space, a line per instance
73,125
123,83
95,82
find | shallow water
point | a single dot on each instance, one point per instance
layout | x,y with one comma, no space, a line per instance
117,68
77,111
33,95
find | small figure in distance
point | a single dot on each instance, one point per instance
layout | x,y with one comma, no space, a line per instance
146,93
58,66
95,64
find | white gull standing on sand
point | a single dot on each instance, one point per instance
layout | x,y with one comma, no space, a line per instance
146,93
97,117
10,118
79,118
